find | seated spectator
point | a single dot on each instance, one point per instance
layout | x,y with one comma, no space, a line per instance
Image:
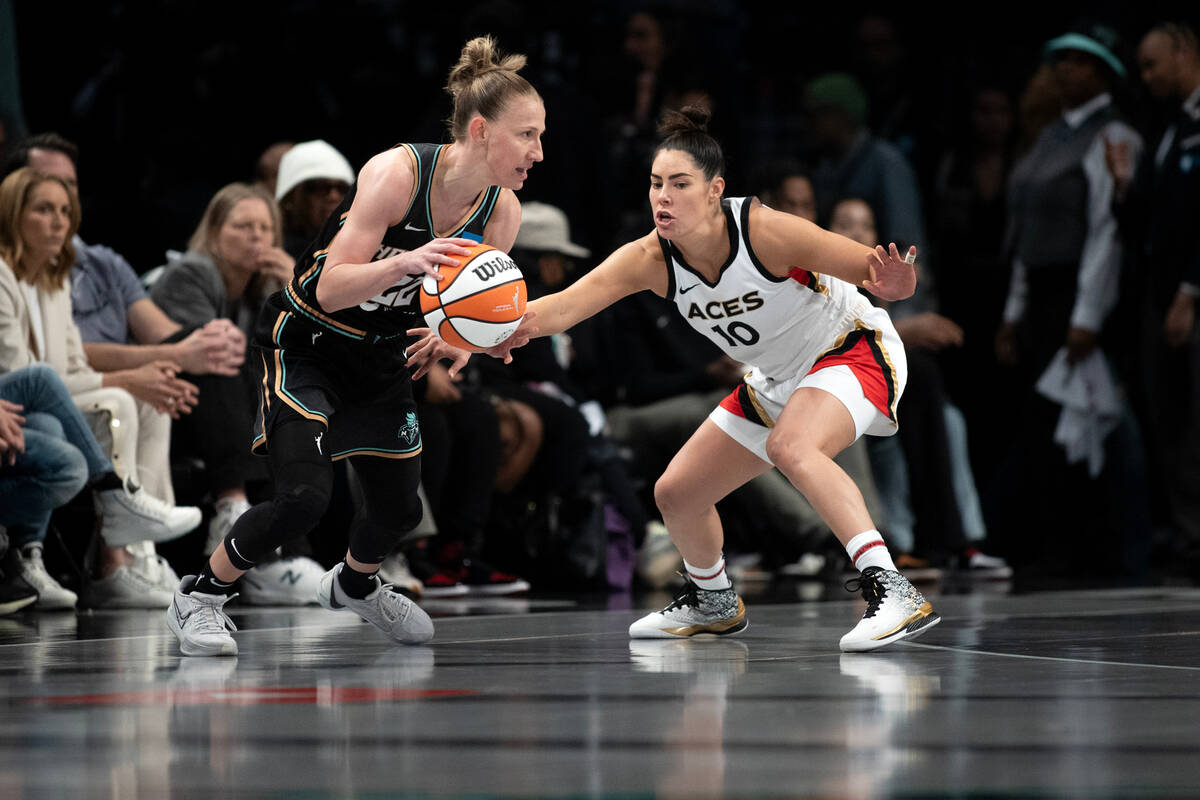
928,464
787,187
313,179
572,450
38,217
233,263
266,168
120,326
47,455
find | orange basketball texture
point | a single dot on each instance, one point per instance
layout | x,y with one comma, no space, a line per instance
478,303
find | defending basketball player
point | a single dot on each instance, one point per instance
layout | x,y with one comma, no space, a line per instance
331,346
780,293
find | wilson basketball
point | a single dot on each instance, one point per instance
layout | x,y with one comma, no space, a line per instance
477,304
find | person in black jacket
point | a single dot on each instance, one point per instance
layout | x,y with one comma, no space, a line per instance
1157,204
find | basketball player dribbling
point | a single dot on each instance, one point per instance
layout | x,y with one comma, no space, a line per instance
331,345
774,291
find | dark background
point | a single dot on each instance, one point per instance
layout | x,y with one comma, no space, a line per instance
171,100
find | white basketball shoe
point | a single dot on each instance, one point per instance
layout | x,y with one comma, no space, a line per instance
200,623
694,611
895,611
385,608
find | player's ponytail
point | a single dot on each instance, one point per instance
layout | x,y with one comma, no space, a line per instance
482,83
687,130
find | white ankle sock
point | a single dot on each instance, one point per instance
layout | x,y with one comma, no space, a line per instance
711,578
869,550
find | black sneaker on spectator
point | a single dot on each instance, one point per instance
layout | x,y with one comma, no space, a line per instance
15,591
482,578
435,582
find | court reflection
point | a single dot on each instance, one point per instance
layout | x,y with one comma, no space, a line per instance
880,727
695,743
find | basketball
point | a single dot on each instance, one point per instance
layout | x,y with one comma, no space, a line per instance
477,304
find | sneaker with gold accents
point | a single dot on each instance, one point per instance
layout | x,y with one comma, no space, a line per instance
895,611
694,611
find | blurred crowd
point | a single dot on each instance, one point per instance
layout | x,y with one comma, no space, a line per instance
1051,424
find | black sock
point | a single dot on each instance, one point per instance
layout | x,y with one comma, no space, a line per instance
207,583
107,481
357,584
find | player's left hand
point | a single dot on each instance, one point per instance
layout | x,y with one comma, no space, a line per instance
429,349
890,275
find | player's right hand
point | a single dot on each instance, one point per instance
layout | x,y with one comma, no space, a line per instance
428,257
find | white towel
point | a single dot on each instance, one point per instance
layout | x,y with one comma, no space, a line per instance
1091,406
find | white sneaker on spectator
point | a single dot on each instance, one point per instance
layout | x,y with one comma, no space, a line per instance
200,623
228,510
51,594
658,561
977,564
128,587
284,582
131,515
394,570
153,566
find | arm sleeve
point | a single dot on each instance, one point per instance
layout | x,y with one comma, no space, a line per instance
1018,291
122,274
1100,261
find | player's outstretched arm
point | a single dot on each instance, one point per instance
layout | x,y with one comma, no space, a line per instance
784,241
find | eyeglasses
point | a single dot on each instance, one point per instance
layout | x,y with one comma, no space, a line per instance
323,187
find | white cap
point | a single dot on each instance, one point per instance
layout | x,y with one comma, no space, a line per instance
544,227
311,160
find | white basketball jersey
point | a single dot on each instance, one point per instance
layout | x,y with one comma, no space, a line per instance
780,326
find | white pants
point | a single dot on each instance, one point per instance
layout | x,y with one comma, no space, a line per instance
134,435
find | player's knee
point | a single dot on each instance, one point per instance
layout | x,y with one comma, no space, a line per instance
303,506
670,494
793,457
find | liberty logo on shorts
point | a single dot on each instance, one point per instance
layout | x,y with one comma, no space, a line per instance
317,439
409,432
315,335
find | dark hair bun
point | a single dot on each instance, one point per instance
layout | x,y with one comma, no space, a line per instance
689,119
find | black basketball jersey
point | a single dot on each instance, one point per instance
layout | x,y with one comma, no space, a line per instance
393,311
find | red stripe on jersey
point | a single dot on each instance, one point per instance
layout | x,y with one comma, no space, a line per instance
865,548
864,363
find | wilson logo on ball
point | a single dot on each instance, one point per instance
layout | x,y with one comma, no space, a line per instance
478,303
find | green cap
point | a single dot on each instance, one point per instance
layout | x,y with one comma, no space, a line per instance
1097,40
838,90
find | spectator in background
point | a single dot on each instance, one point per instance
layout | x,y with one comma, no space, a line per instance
924,473
881,64
1066,268
1158,205
233,263
38,218
121,327
313,178
787,187
854,163
40,470
969,218
266,169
